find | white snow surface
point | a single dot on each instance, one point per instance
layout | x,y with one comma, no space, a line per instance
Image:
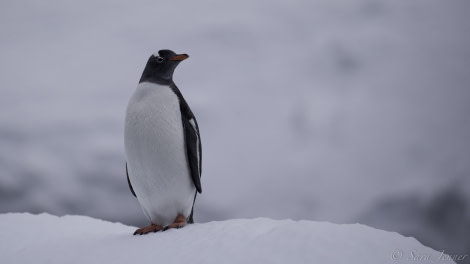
44,238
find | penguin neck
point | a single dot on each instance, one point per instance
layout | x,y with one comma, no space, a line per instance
156,80
170,84
149,76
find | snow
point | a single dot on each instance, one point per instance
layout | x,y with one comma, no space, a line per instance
45,238
339,111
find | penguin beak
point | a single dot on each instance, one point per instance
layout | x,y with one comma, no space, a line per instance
179,57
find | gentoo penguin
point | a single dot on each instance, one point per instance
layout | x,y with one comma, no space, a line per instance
162,146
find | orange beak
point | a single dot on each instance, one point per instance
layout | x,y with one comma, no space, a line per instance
179,57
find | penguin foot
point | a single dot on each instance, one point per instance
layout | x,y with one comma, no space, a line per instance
180,221
151,228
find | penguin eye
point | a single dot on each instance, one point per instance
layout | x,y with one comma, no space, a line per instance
160,59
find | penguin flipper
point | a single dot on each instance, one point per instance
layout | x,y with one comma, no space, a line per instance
129,182
193,150
192,139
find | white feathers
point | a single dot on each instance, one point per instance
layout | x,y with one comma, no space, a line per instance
193,123
155,152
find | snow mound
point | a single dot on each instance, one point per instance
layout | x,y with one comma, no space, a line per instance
45,238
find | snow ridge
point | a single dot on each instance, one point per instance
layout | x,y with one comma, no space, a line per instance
46,238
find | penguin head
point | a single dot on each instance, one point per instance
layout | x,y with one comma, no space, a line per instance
160,67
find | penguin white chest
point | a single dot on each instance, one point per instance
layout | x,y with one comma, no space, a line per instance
156,154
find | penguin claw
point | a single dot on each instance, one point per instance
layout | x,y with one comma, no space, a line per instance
180,222
151,228
173,226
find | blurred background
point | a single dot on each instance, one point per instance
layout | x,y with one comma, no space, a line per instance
339,111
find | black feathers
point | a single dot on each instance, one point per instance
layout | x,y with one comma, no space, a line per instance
129,182
192,139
